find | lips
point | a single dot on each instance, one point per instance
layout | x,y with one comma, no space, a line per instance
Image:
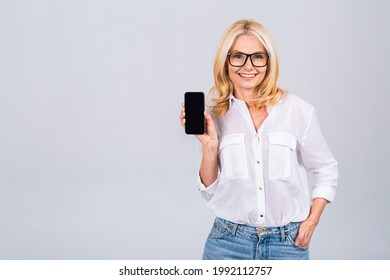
247,75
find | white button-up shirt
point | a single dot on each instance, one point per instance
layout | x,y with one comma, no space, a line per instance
262,178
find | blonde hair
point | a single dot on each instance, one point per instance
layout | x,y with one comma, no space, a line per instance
268,92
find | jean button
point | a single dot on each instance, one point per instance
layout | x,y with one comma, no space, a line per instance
260,229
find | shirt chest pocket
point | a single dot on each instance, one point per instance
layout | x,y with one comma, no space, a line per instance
282,147
232,156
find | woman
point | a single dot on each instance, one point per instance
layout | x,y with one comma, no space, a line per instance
259,143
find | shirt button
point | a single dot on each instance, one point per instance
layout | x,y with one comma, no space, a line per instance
258,161
260,188
261,215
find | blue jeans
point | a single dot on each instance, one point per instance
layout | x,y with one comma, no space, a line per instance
230,241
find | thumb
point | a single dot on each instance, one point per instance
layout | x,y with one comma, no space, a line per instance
210,125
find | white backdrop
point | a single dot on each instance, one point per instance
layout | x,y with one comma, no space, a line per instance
93,161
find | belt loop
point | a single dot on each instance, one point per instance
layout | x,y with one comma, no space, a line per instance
234,229
283,234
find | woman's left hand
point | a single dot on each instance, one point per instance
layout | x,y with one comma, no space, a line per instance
308,226
305,233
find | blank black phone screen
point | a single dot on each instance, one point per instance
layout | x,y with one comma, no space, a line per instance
194,110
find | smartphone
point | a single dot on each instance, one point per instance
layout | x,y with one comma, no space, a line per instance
194,108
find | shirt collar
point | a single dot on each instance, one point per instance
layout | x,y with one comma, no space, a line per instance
233,99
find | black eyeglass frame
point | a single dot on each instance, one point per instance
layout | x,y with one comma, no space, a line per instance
246,58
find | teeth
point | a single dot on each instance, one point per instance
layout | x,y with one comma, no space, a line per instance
247,75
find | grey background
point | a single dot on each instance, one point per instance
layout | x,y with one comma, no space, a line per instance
93,161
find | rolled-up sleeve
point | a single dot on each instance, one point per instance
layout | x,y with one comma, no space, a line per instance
207,192
318,159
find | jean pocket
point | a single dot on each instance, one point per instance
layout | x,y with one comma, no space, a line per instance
292,234
281,149
217,231
232,156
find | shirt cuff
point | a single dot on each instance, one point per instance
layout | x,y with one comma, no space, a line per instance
207,192
326,192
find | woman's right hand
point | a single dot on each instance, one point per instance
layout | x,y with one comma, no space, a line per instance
210,137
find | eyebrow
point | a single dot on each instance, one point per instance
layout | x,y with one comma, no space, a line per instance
246,53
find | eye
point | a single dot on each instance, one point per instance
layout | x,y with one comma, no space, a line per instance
237,55
258,56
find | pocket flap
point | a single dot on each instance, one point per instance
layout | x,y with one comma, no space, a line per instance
231,139
283,139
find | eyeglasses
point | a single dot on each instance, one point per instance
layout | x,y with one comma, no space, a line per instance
258,59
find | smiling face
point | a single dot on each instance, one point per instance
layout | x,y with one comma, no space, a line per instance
247,77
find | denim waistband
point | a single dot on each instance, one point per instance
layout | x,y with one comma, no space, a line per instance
256,230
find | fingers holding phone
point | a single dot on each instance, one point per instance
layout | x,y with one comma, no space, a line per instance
182,116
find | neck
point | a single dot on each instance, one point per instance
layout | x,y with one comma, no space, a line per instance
245,94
